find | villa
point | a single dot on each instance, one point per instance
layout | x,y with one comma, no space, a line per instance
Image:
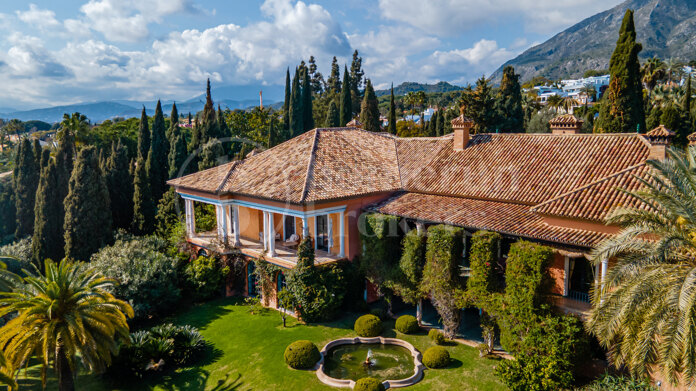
555,189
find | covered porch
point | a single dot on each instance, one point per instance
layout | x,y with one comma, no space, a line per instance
258,229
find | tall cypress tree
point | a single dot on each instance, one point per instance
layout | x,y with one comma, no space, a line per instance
120,185
286,103
296,113
210,129
87,208
369,110
442,130
173,129
64,162
45,158
272,133
622,110
333,118
307,114
144,137
508,103
48,242
177,156
224,129
8,222
356,76
392,112
36,145
160,150
435,119
143,206
346,109
26,181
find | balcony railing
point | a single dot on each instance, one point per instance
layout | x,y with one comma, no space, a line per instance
579,296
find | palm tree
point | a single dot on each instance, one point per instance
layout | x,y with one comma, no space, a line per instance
589,91
652,72
411,99
673,69
64,313
6,374
568,103
644,312
77,124
555,102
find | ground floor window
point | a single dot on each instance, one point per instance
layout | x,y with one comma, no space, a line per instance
322,233
580,279
251,280
288,226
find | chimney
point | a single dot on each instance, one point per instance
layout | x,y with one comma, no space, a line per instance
659,138
261,99
692,139
462,127
566,124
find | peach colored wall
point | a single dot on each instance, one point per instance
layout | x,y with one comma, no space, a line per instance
557,273
250,223
581,224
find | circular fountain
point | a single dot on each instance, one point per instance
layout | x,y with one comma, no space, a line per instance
395,362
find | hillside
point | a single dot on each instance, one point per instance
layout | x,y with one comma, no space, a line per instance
666,28
406,87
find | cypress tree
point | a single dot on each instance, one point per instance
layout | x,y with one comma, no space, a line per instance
87,208
307,114
334,81
296,113
224,129
432,126
173,129
37,153
177,156
8,222
441,124
333,119
120,185
622,110
143,206
144,137
436,123
45,158
210,154
272,133
369,110
356,76
160,150
392,112
210,129
64,162
509,102
346,110
47,242
26,181
286,103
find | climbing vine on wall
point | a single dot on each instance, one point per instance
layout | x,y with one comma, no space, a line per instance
265,273
411,264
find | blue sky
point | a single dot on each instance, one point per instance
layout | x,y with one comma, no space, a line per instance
55,53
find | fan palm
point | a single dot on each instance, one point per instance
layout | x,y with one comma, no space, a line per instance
645,310
653,70
555,102
64,313
77,124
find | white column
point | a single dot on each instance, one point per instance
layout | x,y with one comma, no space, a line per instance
271,235
420,227
341,238
235,223
305,227
330,231
221,223
419,311
190,218
605,263
315,233
264,235
566,276
228,219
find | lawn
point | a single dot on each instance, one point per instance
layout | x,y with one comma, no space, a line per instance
247,354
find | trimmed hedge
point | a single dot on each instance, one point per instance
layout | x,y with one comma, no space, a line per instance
368,326
368,384
407,324
436,336
436,357
302,354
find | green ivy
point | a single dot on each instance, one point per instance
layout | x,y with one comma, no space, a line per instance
381,248
265,273
411,267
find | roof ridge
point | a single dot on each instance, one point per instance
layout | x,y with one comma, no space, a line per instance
227,176
398,163
581,188
310,165
559,135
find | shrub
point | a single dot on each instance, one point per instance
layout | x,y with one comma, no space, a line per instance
407,324
302,354
436,357
188,342
254,305
368,326
380,313
18,255
147,277
368,384
436,336
204,278
618,383
539,373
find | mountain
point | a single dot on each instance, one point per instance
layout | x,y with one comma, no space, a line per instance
96,112
665,28
406,87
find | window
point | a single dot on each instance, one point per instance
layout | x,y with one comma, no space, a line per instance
322,233
288,226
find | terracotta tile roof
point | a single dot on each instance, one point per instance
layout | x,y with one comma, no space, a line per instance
596,200
462,121
565,119
207,180
660,131
522,168
506,218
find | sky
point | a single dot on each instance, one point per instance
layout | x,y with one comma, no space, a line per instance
70,51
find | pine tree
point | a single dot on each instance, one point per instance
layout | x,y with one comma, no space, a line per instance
224,129
143,206
144,137
346,109
210,129
87,224
296,113
177,156
26,181
120,185
286,103
47,242
160,150
210,154
333,119
356,76
392,112
173,129
478,105
369,110
333,83
317,77
622,110
508,105
307,114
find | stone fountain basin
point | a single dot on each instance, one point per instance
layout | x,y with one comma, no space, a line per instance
347,383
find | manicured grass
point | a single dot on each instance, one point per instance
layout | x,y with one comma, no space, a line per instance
248,351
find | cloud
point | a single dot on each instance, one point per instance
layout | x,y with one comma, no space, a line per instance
28,58
463,65
452,17
40,18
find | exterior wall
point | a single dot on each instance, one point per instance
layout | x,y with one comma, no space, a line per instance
581,224
250,223
557,273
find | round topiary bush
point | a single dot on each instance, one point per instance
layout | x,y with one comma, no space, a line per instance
407,324
368,384
436,357
368,326
302,354
436,336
